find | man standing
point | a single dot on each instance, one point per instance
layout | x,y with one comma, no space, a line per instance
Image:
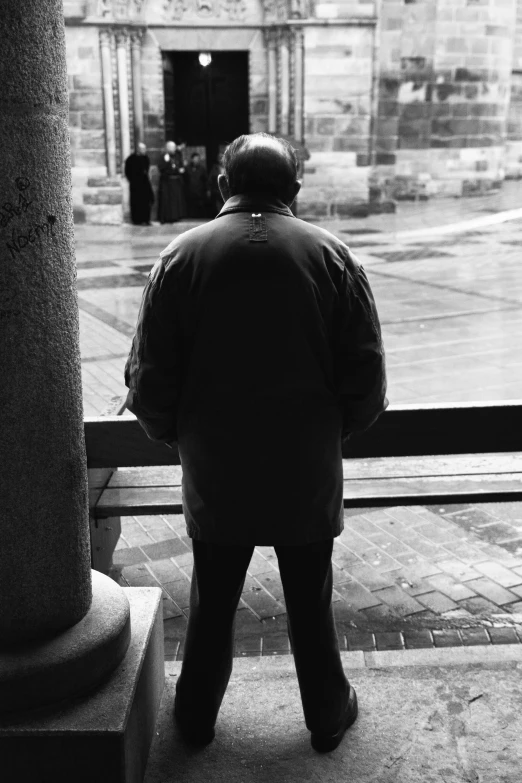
171,199
196,190
258,350
141,195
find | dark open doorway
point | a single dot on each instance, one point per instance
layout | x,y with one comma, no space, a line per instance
206,106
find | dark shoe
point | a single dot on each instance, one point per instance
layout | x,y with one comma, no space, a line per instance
323,743
194,735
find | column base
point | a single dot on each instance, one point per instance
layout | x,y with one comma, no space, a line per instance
104,736
72,662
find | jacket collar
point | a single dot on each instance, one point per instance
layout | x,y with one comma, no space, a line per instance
255,202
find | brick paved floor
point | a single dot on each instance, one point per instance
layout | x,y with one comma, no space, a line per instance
403,578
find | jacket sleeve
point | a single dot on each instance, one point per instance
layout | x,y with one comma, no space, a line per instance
359,361
152,368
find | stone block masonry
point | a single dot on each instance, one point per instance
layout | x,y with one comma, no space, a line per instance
394,100
445,84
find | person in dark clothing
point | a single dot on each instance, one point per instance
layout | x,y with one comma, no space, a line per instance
141,195
257,351
196,187
213,191
171,200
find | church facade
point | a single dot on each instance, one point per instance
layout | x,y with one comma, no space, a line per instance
385,100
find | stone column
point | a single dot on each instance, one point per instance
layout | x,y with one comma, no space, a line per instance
47,598
108,104
291,81
123,93
137,99
271,46
298,130
279,80
284,81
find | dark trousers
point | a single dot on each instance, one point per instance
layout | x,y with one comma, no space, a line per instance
217,582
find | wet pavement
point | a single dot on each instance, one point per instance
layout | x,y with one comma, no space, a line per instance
447,279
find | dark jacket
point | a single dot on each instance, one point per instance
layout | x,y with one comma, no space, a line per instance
257,348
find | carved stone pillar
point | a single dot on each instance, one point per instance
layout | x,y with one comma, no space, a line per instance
137,99
108,105
284,57
298,48
291,82
123,93
271,47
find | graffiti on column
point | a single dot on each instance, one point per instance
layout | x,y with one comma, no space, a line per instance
31,231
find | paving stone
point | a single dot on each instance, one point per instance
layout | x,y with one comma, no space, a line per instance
247,623
171,647
340,575
407,517
389,544
472,518
379,616
355,543
498,532
389,640
410,559
478,606
420,570
259,564
179,591
437,602
129,556
175,628
271,581
343,558
362,524
517,589
276,644
399,600
447,585
418,639
499,573
513,545
466,552
424,547
447,637
503,635
380,560
356,596
436,534
498,553
515,608
360,640
460,571
163,549
473,636
165,570
170,609
370,578
492,591
262,604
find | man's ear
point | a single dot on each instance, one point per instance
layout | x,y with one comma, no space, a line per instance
296,187
223,186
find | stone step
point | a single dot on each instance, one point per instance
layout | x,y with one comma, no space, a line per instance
411,703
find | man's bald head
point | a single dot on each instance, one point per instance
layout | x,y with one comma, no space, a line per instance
260,163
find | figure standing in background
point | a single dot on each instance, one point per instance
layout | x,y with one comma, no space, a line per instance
141,194
196,179
213,192
171,201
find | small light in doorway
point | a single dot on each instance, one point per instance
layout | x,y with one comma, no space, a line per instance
205,58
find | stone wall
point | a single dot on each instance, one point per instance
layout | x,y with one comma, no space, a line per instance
444,89
95,197
338,83
513,159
